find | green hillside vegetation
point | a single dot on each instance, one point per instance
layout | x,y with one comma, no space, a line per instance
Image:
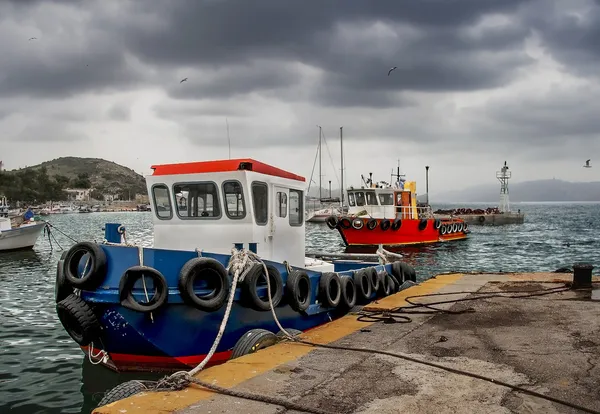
46,181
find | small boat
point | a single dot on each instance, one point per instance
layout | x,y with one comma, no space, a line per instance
381,213
320,216
216,223
17,233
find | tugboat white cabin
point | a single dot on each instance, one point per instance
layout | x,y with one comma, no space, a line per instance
216,205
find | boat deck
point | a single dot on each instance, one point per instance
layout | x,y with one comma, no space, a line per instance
548,344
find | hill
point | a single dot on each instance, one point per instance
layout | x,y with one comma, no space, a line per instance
540,190
46,181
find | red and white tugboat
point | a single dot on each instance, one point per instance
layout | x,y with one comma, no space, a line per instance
381,213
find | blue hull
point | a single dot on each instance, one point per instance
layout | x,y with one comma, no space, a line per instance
178,335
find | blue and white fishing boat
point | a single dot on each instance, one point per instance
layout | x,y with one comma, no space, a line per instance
17,236
219,228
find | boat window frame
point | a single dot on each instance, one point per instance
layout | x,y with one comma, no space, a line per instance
364,198
391,195
373,194
279,195
300,207
351,199
187,200
258,184
166,187
225,200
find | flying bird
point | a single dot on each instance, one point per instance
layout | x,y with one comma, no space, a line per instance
183,80
587,164
33,38
390,71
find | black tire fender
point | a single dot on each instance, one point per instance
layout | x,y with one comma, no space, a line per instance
294,332
385,287
252,341
363,285
345,223
332,222
213,273
373,278
443,230
398,273
78,319
330,289
129,279
396,224
357,223
348,299
385,224
423,224
371,224
62,289
250,287
97,265
298,290
409,272
437,224
122,391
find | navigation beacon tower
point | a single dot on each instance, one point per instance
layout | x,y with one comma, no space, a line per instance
503,176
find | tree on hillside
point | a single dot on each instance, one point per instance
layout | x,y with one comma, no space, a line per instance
82,181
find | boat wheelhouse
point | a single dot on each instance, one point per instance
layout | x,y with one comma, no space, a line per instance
215,223
386,214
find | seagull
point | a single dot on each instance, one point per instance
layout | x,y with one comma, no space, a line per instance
587,164
33,38
183,80
390,71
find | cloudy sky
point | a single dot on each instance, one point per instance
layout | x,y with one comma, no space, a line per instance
477,82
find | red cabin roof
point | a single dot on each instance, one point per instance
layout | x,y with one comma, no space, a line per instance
241,164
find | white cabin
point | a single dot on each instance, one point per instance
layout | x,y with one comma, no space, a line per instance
213,205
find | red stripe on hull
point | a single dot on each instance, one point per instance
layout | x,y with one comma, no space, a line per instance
130,362
407,234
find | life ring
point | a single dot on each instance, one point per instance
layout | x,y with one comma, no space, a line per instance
481,219
330,289
443,230
348,299
94,266
397,223
332,222
363,285
422,224
345,223
212,275
385,284
78,319
128,281
62,289
297,290
385,224
357,223
437,224
250,287
371,224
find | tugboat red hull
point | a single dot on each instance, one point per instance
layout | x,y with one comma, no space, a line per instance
410,231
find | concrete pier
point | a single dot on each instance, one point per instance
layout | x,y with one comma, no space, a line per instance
548,344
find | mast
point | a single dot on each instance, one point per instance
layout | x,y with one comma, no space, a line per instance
342,164
320,174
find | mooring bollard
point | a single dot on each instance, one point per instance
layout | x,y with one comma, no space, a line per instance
582,275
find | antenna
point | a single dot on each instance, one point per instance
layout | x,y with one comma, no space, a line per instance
228,139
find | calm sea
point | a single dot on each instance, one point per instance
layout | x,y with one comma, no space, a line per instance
43,371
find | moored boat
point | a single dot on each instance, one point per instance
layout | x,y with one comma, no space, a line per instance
389,215
17,233
221,228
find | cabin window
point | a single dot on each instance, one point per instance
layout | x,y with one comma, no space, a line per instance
162,202
372,198
296,208
260,201
386,199
360,198
351,201
197,200
282,204
235,208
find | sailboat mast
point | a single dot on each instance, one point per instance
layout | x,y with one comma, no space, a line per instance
320,174
342,164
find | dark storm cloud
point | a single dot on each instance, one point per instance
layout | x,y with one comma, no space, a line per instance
338,38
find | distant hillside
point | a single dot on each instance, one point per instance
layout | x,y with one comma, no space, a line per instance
540,190
46,181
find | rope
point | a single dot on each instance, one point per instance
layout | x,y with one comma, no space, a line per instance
386,256
60,231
